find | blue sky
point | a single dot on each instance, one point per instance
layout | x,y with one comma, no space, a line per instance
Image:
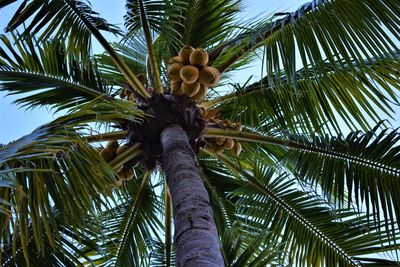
15,122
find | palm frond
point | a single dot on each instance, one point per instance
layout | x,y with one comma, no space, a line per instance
48,74
132,51
313,233
319,104
52,166
335,29
71,20
128,228
162,18
363,168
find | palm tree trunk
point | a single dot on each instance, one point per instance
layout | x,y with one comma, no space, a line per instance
196,238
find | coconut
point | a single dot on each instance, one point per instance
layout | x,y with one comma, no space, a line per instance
122,93
209,76
107,154
126,174
215,149
220,141
201,94
122,149
190,89
238,127
229,143
189,74
173,72
199,57
236,149
112,145
185,53
175,87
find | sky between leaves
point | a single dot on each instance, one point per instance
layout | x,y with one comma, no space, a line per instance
15,122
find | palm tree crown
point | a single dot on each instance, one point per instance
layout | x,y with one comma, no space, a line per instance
154,131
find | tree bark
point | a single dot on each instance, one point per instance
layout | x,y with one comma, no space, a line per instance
196,239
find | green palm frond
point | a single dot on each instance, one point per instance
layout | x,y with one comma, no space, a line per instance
218,187
320,103
48,74
132,51
45,168
199,24
62,251
335,30
70,20
128,228
162,17
363,168
55,166
312,232
241,248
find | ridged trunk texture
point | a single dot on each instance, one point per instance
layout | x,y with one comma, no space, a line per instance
196,238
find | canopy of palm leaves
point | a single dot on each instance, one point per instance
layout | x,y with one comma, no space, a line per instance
303,192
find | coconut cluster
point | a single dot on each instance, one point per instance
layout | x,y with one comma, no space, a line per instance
190,75
111,151
218,145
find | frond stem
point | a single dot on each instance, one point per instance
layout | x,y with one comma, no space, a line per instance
149,43
126,156
106,136
254,137
123,67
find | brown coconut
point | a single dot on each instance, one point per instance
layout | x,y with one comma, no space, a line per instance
107,154
236,149
190,89
201,94
185,53
112,146
229,143
176,59
189,74
220,141
199,57
126,174
209,76
175,88
238,127
173,72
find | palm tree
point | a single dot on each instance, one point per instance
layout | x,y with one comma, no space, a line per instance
263,173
